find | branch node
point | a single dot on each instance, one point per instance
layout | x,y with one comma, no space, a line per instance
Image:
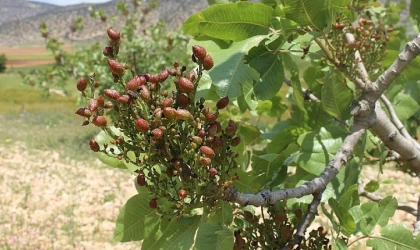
266,195
393,135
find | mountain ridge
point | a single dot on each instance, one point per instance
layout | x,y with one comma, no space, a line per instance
21,26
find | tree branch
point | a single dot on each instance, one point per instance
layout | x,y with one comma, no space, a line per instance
392,138
313,186
396,121
411,51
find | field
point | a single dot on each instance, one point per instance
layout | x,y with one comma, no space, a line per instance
55,194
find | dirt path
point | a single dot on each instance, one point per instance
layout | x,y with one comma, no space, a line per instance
51,203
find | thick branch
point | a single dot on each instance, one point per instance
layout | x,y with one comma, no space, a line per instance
396,121
392,138
411,51
311,187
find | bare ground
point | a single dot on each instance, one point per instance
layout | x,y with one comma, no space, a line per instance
48,202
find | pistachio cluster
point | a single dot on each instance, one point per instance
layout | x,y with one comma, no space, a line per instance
276,230
370,40
182,152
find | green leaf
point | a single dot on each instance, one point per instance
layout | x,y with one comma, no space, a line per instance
325,140
372,186
230,71
344,217
313,163
270,67
213,2
179,234
415,11
312,13
318,148
336,97
405,106
283,137
267,166
394,236
297,91
222,214
339,244
109,159
136,219
214,236
350,198
234,21
378,214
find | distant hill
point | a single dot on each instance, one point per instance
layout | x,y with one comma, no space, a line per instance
12,10
19,19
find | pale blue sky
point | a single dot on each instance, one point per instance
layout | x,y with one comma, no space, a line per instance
69,2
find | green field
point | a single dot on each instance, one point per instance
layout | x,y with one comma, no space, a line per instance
28,115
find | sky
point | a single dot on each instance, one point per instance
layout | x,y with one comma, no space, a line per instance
69,2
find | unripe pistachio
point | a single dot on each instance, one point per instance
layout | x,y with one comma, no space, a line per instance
223,102
93,104
185,85
99,121
112,94
213,172
157,133
81,84
205,161
183,100
199,52
94,146
84,112
231,128
207,151
208,63
183,114
235,141
100,100
163,75
108,52
116,67
142,125
113,34
169,113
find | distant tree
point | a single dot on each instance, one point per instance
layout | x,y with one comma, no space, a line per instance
3,61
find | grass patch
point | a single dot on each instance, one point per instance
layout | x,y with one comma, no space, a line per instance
27,70
42,122
28,57
58,131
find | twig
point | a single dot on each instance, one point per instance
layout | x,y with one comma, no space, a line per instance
304,224
393,156
396,121
360,65
377,198
306,92
417,224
